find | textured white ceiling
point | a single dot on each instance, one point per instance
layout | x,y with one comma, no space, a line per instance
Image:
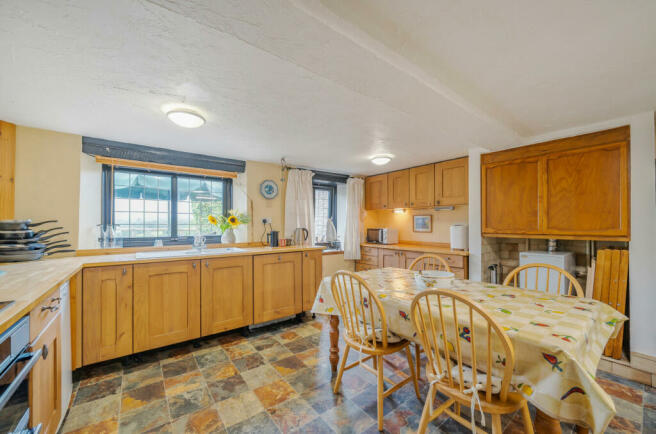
324,84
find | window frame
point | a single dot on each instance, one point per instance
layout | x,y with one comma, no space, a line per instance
174,239
331,187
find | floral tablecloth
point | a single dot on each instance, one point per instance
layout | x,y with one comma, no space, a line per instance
558,340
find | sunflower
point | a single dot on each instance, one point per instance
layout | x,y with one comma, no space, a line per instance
233,220
213,220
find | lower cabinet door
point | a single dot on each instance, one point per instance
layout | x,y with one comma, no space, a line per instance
106,313
227,294
312,273
390,258
277,286
45,379
166,303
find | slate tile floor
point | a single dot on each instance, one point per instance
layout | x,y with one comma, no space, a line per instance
276,380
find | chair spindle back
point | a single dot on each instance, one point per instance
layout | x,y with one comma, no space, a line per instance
361,311
430,262
438,323
573,285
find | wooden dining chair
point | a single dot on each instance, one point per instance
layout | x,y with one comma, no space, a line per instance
429,262
426,262
462,344
365,331
573,287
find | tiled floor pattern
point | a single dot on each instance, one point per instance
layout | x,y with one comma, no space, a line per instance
276,380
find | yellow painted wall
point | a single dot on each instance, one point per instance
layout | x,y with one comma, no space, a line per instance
403,223
48,178
333,263
259,207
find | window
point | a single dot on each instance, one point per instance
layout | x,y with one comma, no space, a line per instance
325,207
148,205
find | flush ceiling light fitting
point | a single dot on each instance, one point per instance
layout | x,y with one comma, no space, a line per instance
185,118
381,159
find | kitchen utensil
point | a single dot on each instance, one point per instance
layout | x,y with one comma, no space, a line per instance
300,236
34,239
19,247
33,255
272,238
21,225
27,233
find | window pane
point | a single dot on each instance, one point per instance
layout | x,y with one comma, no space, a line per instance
202,198
322,201
137,199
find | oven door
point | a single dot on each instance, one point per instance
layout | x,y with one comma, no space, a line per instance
14,396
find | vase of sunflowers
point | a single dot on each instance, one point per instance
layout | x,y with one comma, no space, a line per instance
228,224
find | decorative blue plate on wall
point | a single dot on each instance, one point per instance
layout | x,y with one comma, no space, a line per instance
269,189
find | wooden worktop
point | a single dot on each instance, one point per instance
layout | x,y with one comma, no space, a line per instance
428,248
29,283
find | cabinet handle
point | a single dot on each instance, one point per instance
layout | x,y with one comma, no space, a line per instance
207,264
50,308
56,300
44,352
384,206
279,258
193,264
437,202
412,203
125,271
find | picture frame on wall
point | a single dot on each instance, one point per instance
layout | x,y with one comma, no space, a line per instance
422,223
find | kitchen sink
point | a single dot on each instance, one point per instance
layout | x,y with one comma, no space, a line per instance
190,252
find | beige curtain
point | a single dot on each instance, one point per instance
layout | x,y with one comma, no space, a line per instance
299,203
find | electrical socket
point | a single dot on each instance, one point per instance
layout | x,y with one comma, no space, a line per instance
266,220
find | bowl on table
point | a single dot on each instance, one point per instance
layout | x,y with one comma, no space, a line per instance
432,279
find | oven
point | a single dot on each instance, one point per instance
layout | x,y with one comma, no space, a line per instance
16,362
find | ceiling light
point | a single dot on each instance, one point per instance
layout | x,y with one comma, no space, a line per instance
185,118
381,159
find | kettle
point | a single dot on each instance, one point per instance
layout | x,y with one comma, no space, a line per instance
300,236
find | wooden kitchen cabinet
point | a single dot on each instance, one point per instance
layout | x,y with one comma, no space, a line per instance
422,186
585,192
573,188
390,258
45,378
277,286
106,313
510,197
226,294
375,192
398,189
451,182
312,274
166,303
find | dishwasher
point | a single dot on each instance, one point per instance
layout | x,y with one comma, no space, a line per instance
66,362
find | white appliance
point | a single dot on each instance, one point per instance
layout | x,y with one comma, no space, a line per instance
564,260
459,236
66,362
382,236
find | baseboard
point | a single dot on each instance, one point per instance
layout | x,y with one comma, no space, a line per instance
641,368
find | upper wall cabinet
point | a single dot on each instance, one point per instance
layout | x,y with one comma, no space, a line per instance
451,182
375,192
422,186
444,183
398,189
573,188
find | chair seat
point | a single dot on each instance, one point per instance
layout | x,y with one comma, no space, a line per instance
377,334
391,347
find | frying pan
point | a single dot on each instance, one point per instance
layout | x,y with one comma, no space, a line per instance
33,255
18,247
33,239
25,234
21,225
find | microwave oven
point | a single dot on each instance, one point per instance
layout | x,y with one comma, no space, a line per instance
382,236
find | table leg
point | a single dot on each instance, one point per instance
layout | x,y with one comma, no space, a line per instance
546,424
334,342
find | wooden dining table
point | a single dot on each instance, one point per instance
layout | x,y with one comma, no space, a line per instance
558,340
